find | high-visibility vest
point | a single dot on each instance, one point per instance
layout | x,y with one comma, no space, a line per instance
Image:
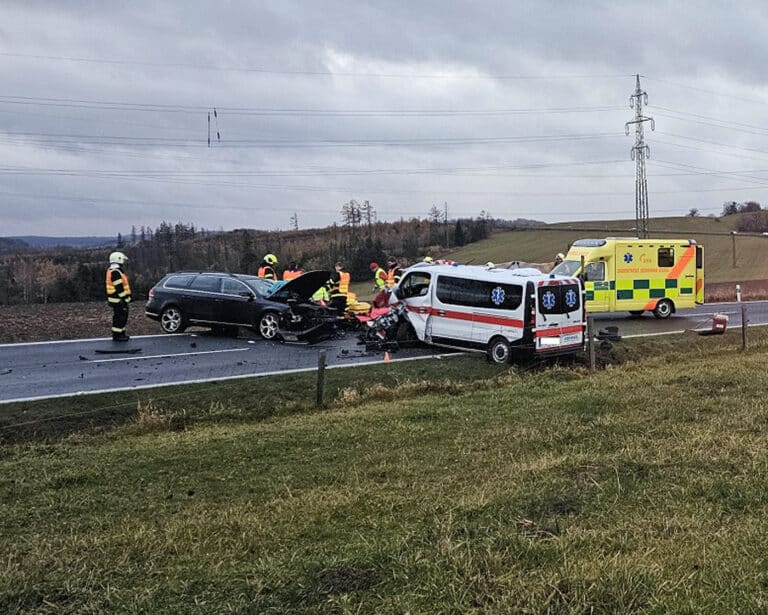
393,276
266,272
321,295
290,275
344,279
380,278
117,290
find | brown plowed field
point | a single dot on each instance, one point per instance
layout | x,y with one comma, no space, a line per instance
64,321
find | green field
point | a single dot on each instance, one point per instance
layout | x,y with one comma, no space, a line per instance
540,244
452,487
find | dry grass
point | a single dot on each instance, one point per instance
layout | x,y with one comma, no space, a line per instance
641,488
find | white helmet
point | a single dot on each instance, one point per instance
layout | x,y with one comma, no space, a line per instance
560,255
118,257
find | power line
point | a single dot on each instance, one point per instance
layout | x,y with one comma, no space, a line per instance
311,73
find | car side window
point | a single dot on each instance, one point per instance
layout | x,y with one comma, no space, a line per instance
414,285
209,283
595,272
178,281
230,286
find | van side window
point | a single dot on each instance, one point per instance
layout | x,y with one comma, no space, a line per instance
594,272
666,257
479,293
414,285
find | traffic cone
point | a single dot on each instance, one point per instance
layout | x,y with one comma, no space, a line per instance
386,357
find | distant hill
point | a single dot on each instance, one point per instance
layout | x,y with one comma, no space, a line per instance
38,241
11,245
540,244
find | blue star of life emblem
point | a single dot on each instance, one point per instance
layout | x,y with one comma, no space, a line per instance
627,258
498,295
570,298
548,299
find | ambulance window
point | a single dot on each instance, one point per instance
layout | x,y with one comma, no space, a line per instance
595,272
666,257
413,285
478,293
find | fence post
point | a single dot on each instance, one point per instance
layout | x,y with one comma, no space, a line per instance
744,322
320,379
590,341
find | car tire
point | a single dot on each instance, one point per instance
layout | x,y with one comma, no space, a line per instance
499,351
172,320
663,309
267,326
405,333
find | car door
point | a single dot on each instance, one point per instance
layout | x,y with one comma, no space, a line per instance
204,299
236,304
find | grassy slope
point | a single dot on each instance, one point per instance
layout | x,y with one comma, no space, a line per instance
641,488
539,245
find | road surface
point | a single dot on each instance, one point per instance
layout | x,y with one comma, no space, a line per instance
54,369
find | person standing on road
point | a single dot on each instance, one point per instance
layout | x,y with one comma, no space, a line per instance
339,287
118,295
394,272
292,272
380,280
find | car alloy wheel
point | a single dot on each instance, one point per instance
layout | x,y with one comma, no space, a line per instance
268,326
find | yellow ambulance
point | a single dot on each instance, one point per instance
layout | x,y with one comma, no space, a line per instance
637,275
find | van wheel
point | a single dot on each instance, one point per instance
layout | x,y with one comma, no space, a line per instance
664,309
405,333
636,312
499,350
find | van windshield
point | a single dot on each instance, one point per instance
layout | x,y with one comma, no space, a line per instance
567,268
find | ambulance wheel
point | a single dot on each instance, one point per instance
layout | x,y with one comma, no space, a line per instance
499,350
636,312
663,309
172,320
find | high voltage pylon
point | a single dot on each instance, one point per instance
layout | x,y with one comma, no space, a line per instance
640,151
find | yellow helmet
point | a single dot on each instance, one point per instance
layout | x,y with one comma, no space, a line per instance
428,259
270,259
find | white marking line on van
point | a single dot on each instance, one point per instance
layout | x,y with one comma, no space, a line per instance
169,356
161,385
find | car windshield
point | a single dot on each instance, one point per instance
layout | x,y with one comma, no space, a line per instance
259,286
567,268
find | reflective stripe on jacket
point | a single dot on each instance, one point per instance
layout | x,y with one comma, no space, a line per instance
290,275
393,277
118,288
344,279
266,272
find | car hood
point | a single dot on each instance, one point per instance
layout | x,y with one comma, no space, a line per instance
301,288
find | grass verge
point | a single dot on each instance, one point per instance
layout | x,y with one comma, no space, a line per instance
467,488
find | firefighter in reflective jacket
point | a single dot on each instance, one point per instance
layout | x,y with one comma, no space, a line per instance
394,273
292,272
380,280
267,269
339,287
118,295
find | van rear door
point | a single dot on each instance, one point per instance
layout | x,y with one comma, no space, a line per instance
560,325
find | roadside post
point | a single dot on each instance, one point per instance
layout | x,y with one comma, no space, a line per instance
590,341
738,293
320,379
744,322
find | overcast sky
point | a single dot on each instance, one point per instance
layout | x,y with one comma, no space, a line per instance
513,108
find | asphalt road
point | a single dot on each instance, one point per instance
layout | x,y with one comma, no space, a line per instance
55,369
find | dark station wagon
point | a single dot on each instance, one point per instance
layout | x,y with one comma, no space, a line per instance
227,301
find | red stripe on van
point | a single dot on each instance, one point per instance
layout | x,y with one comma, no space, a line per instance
484,318
559,331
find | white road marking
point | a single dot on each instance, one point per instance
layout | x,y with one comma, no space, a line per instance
221,379
168,356
92,339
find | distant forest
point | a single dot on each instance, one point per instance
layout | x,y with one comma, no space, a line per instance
68,274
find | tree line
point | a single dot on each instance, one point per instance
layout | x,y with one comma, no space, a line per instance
59,275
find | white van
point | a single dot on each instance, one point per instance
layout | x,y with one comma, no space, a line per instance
503,312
